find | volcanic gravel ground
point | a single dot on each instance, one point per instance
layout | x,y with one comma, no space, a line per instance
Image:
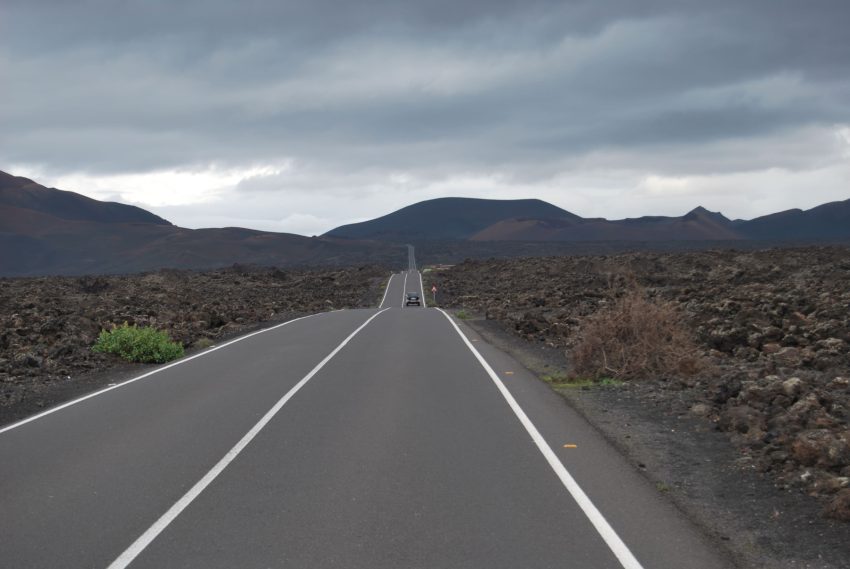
48,325
774,326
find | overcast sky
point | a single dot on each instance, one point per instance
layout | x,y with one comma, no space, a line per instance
299,116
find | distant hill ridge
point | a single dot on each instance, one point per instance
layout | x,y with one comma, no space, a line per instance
44,231
825,222
49,231
23,193
447,219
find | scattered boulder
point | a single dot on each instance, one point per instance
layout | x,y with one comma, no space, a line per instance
839,506
821,447
701,410
792,387
742,419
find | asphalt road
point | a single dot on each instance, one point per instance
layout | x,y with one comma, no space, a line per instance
362,438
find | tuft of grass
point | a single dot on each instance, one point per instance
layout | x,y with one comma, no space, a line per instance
636,338
575,384
563,381
203,343
140,345
463,315
555,377
662,487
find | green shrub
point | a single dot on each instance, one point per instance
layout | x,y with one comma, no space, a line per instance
463,315
142,345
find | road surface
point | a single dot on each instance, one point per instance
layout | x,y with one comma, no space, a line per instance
382,438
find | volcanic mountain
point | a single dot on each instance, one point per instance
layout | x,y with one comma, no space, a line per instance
698,225
827,222
449,219
534,220
48,231
23,195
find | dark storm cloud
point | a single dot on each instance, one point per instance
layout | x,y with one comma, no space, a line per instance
437,87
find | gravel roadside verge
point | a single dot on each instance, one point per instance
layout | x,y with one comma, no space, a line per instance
49,324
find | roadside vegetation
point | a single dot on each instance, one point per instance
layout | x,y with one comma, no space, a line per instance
203,343
635,337
138,344
564,381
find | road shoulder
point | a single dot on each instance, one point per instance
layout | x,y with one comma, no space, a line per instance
117,371
621,493
694,467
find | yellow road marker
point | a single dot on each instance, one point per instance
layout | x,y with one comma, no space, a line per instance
570,446
509,373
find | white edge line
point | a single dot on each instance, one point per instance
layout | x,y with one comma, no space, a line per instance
422,289
615,544
386,291
158,526
148,374
404,290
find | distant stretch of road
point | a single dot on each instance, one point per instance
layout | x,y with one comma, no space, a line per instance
382,438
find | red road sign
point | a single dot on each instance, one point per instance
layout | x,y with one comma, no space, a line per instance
434,288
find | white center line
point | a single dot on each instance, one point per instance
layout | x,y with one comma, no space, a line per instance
615,544
152,532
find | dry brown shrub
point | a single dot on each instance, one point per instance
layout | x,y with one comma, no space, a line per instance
636,338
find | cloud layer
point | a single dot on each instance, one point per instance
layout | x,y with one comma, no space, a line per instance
299,116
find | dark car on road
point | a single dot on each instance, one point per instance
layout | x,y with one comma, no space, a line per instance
413,298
